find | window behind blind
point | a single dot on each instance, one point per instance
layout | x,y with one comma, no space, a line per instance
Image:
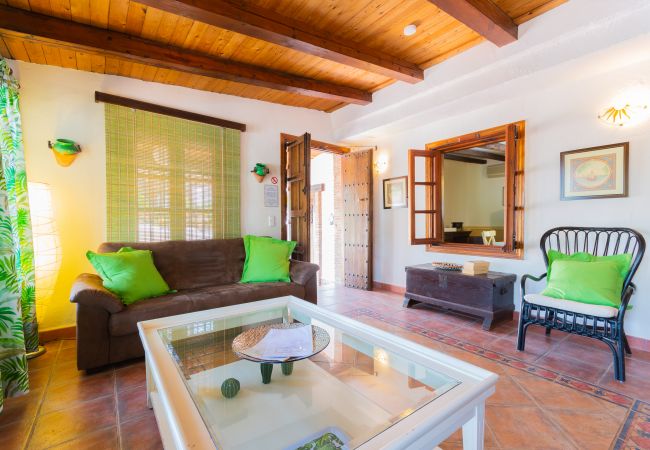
169,178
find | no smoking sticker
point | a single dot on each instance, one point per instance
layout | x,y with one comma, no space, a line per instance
274,180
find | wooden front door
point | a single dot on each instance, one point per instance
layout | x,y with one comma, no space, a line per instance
295,208
356,170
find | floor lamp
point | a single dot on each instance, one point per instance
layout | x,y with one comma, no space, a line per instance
47,251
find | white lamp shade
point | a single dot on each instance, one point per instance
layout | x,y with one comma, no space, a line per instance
47,249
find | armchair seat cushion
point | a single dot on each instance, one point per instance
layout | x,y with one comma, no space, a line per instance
573,306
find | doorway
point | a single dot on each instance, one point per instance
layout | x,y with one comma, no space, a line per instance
326,225
326,205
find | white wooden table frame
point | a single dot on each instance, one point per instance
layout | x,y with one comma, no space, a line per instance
182,427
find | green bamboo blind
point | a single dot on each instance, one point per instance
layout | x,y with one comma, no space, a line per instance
169,178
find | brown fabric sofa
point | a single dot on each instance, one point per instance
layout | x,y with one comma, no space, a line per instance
205,274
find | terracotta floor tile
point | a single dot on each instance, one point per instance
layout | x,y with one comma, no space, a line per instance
638,435
67,354
438,324
14,435
506,347
474,336
640,355
637,380
78,391
588,430
38,378
131,376
65,373
477,360
61,426
341,308
68,343
597,353
553,396
508,392
583,340
105,439
525,427
22,408
132,403
48,358
578,368
461,319
141,434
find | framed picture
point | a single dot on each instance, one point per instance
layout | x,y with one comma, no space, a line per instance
395,193
596,172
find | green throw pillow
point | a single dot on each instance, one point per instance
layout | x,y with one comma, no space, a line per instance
267,259
554,255
597,282
129,274
624,260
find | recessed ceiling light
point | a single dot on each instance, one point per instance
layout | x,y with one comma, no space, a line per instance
410,30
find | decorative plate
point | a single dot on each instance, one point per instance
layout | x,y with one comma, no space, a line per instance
447,266
250,338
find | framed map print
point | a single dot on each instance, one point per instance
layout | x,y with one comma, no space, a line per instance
596,172
395,193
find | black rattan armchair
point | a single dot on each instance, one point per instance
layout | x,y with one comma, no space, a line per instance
599,322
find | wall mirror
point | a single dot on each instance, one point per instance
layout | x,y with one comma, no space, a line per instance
466,193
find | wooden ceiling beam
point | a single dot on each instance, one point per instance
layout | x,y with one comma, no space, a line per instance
271,27
465,159
482,16
483,154
90,39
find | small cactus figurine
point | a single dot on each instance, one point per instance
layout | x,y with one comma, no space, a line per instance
267,370
287,368
230,387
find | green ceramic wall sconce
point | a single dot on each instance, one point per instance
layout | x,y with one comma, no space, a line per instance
65,151
260,171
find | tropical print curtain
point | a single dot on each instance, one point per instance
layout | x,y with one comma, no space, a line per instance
18,326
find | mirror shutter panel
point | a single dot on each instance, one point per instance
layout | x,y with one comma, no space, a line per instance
425,222
510,191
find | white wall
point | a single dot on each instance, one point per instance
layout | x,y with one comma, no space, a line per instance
550,130
59,103
567,65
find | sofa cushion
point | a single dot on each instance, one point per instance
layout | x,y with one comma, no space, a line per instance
192,264
125,322
218,296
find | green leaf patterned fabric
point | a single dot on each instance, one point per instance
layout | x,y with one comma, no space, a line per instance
18,325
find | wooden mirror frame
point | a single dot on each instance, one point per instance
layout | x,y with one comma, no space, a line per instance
513,134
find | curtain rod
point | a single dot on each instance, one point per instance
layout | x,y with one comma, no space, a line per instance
158,109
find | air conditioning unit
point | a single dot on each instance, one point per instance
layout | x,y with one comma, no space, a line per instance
496,171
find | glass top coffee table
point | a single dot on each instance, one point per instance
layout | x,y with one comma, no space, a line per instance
367,389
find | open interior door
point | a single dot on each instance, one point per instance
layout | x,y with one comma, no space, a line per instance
295,209
356,170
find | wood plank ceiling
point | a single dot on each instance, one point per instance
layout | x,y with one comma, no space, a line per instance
318,54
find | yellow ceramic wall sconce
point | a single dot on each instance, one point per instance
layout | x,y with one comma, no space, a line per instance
65,151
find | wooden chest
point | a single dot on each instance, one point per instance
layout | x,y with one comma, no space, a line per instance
490,296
